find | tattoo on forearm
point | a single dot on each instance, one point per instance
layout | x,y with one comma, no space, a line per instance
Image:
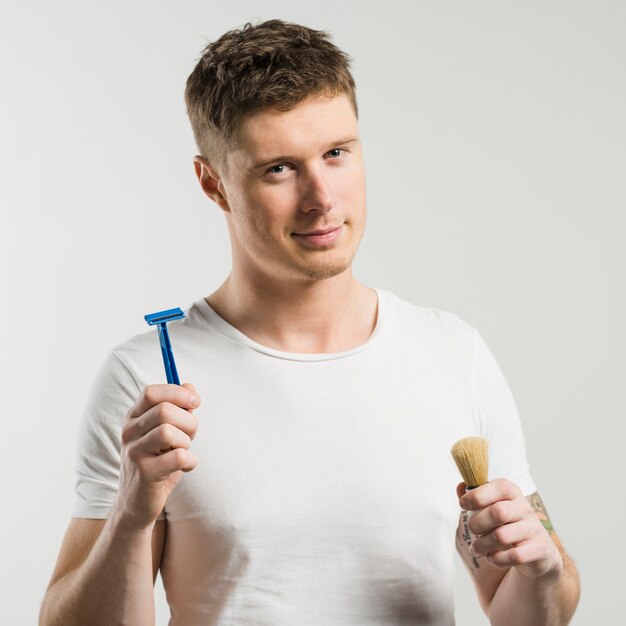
466,537
537,505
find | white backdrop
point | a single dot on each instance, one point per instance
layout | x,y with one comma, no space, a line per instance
494,140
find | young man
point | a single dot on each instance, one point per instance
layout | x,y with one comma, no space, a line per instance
314,484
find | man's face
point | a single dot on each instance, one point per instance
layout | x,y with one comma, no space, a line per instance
297,171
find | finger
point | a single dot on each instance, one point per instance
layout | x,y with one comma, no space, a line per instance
175,460
495,515
502,538
163,413
191,388
460,489
152,395
493,491
520,554
161,439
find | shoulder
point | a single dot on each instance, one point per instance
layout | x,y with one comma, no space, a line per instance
438,324
140,355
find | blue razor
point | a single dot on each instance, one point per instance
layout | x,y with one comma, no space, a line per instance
162,318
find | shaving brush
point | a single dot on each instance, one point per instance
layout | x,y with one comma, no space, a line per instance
471,457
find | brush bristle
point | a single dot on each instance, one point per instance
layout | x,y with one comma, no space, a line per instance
471,457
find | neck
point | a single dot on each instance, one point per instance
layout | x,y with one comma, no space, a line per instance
308,316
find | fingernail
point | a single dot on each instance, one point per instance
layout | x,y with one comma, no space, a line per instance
195,401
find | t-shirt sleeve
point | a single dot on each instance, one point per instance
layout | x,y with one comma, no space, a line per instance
499,420
111,395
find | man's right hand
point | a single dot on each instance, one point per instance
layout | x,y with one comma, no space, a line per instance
156,436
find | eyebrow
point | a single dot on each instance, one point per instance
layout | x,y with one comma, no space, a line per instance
286,157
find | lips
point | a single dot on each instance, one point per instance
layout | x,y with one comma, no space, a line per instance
320,238
321,231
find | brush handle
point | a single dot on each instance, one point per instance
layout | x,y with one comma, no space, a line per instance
168,355
468,535
469,513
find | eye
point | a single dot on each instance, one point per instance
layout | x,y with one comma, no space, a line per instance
337,152
276,170
273,169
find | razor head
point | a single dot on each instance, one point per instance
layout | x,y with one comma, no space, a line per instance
164,316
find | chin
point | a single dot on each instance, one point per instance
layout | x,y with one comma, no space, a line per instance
322,269
323,263
323,273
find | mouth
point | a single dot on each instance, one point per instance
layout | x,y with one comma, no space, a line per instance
320,237
321,231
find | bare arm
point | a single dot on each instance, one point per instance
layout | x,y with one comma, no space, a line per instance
106,569
104,575
521,571
551,599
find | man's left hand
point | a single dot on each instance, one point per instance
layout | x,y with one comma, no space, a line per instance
509,533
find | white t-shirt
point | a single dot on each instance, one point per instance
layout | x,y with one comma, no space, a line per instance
325,489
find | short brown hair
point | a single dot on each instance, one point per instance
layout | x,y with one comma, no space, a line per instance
275,64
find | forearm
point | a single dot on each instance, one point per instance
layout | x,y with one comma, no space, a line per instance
114,585
524,601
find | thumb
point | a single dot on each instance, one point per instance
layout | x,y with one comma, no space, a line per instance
193,390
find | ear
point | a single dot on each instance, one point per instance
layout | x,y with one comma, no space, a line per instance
210,182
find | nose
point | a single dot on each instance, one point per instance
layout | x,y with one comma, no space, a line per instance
317,195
